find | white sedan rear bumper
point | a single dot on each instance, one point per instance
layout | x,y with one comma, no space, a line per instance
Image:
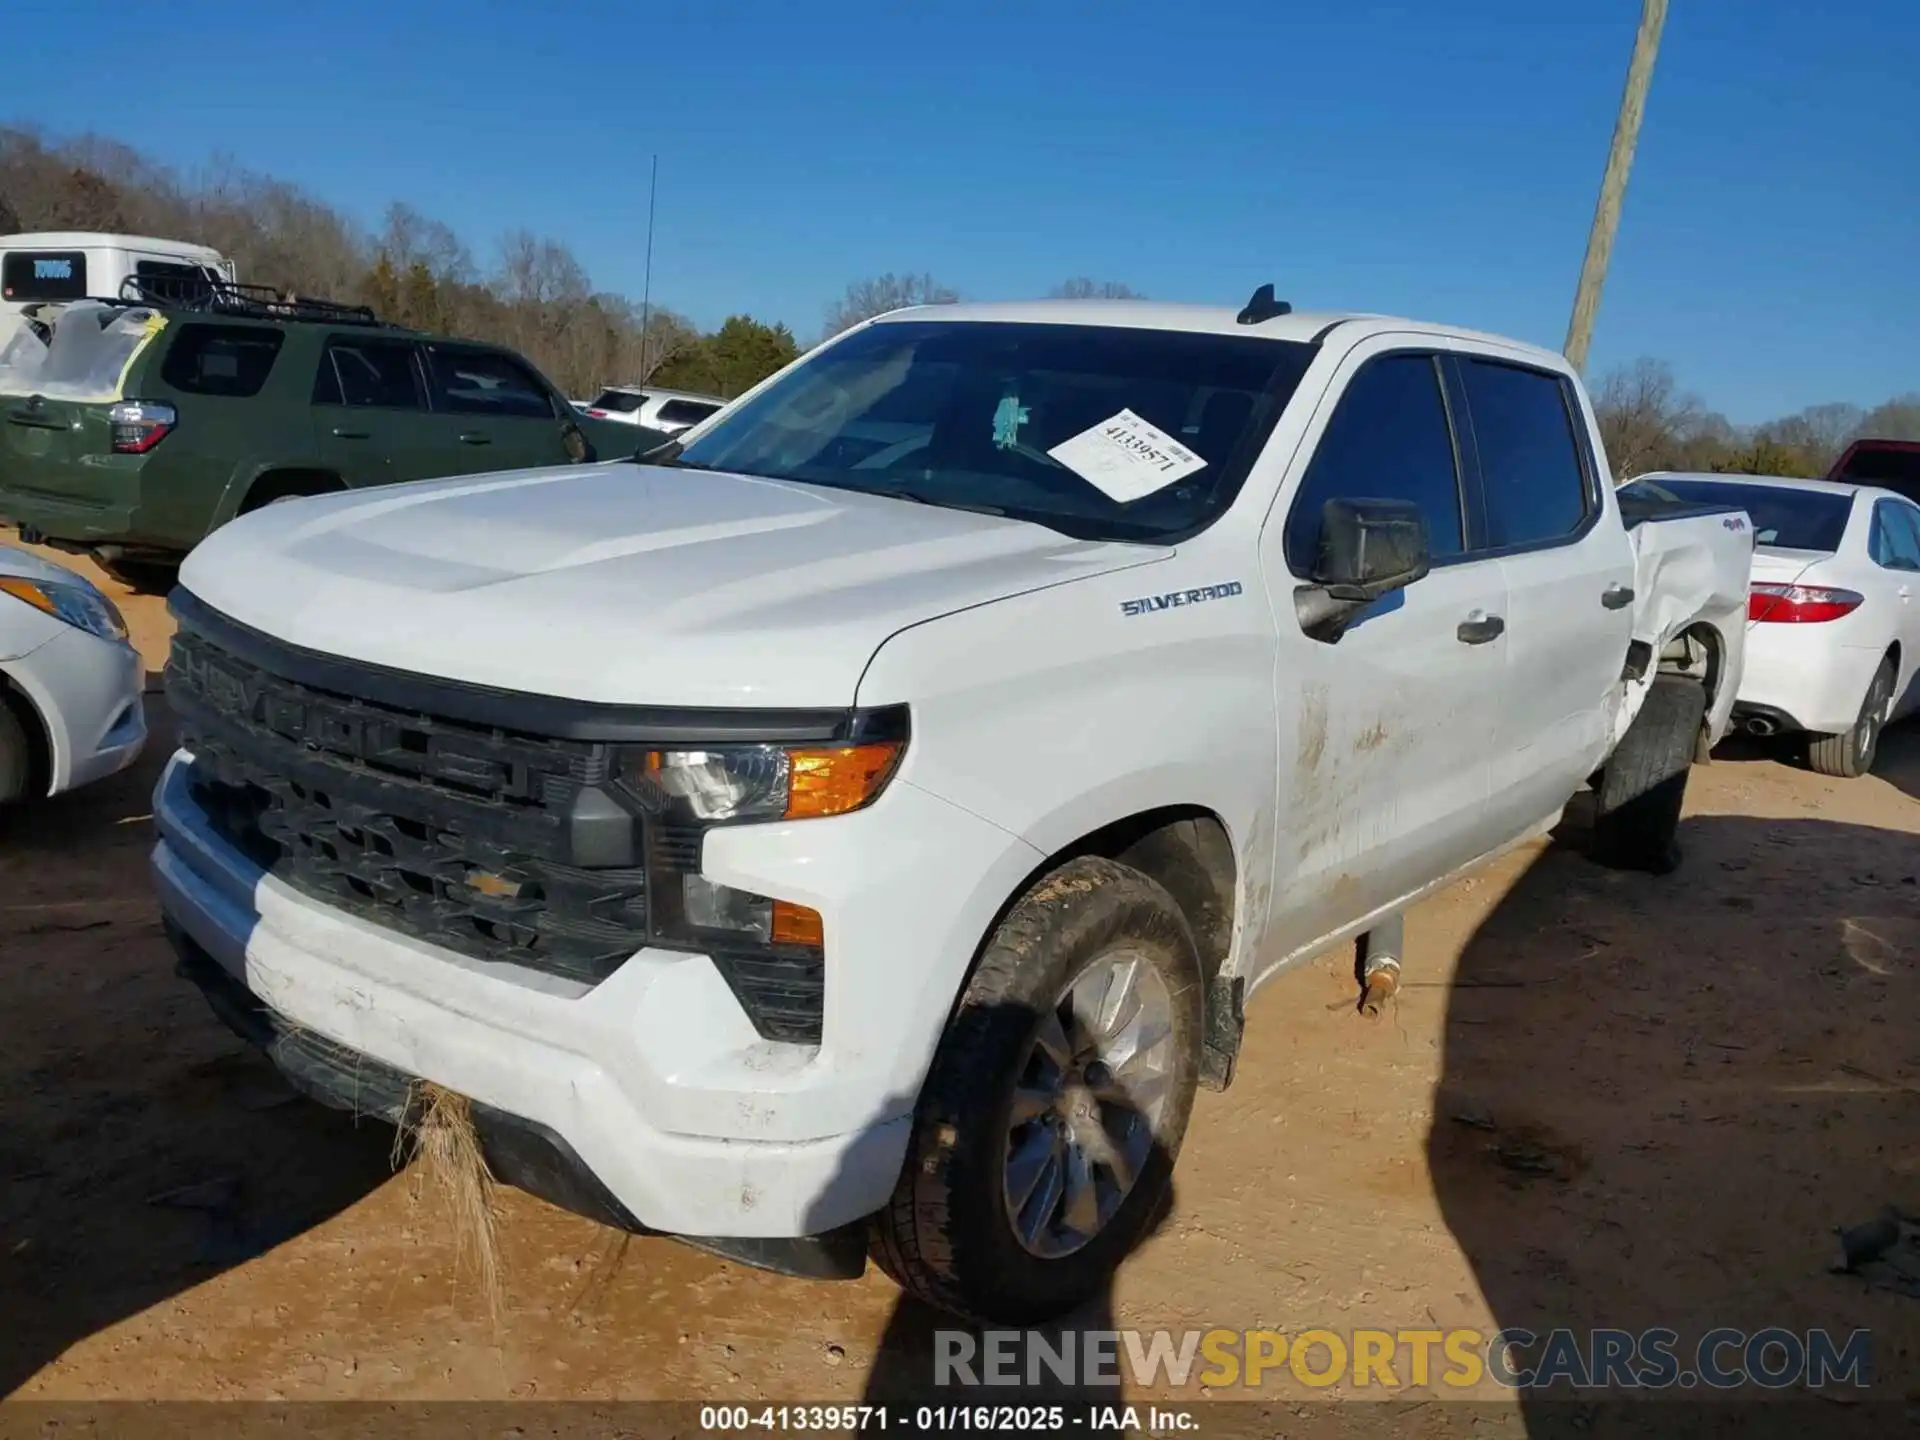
1810,677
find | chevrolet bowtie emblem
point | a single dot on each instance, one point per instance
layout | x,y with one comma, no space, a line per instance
497,887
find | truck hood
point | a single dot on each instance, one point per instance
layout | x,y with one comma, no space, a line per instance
623,583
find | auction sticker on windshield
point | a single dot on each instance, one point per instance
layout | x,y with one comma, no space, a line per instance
1126,458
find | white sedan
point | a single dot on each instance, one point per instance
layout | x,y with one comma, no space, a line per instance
1833,616
70,685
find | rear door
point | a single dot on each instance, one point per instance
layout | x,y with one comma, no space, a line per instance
493,412
1383,734
1543,511
1896,547
370,414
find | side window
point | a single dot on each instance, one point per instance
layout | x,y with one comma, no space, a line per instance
1896,535
1531,470
1388,440
486,382
685,412
230,360
369,373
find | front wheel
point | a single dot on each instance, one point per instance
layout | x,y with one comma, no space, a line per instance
16,756
1850,755
1047,1129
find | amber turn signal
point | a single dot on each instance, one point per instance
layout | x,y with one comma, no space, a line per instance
796,925
833,782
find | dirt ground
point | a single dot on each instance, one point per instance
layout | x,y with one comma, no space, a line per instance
1601,1100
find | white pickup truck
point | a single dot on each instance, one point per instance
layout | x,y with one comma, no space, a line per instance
854,828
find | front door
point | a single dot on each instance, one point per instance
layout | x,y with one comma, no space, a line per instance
493,412
1384,735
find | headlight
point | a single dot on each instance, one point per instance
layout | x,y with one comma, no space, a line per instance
77,603
690,791
764,782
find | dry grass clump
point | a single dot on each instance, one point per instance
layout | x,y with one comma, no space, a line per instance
436,1136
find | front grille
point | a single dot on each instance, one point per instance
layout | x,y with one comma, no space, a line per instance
460,834
453,833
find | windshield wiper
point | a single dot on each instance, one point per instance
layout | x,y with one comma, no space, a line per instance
917,498
667,454
1058,524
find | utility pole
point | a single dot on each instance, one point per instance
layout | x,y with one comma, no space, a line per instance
646,294
1613,186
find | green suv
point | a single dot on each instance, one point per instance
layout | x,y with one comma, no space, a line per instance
151,425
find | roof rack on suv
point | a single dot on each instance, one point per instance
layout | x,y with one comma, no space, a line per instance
230,297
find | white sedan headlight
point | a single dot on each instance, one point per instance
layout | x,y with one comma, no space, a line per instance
75,602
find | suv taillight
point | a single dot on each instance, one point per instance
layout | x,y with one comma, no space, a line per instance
139,425
1800,604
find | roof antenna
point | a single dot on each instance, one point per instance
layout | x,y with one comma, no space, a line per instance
1263,307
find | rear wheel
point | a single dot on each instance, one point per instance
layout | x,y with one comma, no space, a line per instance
1048,1127
1644,782
1850,754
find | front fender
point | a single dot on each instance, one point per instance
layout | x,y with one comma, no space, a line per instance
1053,715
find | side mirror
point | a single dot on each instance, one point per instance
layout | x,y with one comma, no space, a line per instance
1368,548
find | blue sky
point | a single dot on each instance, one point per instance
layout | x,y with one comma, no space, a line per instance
1438,159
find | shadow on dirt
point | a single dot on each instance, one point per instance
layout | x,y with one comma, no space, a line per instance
1643,1122
1899,760
143,1148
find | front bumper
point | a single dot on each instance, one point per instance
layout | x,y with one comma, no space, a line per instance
89,694
653,1078
520,1153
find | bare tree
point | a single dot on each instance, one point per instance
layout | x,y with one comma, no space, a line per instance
867,298
1645,419
1898,419
1819,432
1081,288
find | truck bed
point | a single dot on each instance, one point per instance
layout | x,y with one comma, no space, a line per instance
1692,567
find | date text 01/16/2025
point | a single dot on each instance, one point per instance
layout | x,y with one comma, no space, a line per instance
948,1419
1150,604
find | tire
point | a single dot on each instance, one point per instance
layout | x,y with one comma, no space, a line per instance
143,577
948,1234
1850,754
16,753
1644,782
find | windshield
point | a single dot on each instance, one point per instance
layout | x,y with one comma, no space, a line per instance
1100,432
620,402
1783,517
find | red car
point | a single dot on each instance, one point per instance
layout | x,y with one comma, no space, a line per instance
1891,464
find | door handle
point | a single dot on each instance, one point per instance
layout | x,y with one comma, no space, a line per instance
38,422
342,433
1478,629
1617,597
475,437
